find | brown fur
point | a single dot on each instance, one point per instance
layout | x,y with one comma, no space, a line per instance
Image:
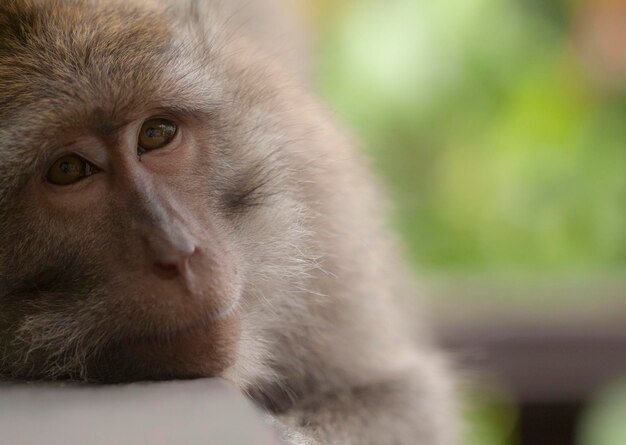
289,219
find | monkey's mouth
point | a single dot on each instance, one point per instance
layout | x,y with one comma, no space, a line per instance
203,348
196,326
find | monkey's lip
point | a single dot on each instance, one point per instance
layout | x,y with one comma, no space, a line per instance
204,348
188,330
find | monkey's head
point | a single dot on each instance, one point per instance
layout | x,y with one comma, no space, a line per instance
150,197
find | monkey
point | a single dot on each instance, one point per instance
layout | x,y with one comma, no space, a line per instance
177,203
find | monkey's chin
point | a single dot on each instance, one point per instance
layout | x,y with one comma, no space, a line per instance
202,351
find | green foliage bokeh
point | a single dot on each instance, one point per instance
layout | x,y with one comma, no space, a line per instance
500,151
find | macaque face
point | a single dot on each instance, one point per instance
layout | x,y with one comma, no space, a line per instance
120,217
139,194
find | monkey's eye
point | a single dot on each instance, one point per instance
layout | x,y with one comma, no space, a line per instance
156,133
70,169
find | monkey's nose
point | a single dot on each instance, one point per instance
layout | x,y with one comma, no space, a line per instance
171,257
170,250
169,267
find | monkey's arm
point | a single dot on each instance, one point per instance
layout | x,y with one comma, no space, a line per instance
407,407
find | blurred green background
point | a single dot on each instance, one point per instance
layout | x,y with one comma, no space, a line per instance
500,129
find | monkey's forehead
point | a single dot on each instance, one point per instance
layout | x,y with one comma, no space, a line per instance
68,64
71,60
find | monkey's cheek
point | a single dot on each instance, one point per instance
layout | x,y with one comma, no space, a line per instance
202,352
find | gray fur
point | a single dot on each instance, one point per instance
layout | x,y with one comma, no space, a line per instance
322,343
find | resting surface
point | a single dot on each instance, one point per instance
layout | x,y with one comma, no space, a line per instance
181,412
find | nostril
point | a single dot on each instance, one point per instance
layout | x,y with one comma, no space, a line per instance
166,271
